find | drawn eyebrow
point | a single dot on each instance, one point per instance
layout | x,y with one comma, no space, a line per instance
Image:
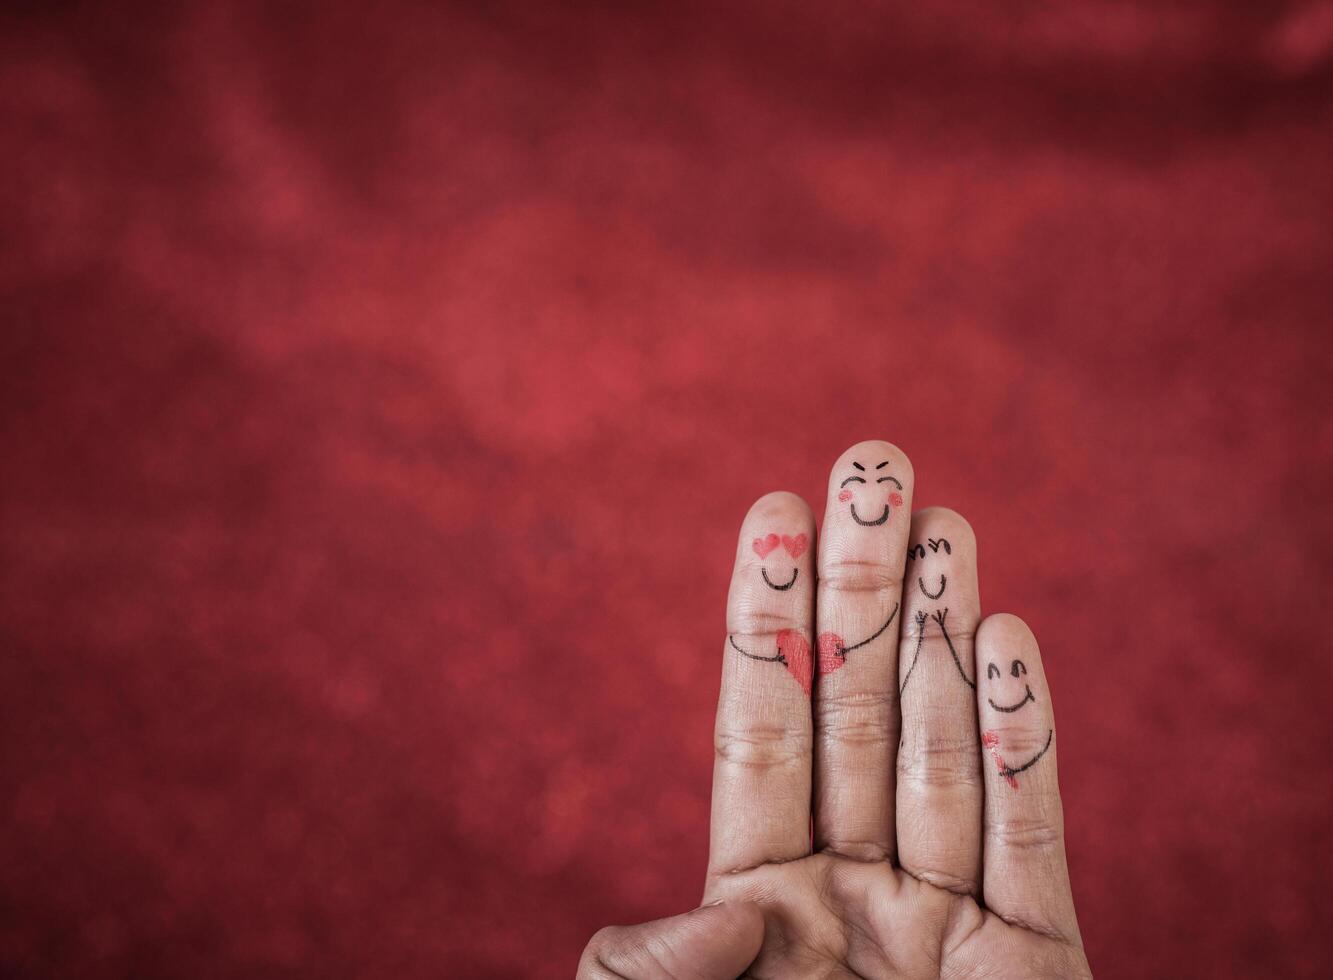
850,479
890,479
882,465
859,466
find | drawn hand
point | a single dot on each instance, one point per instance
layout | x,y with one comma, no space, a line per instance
938,837
921,618
939,616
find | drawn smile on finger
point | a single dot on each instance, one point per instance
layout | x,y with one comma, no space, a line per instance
882,517
895,498
922,584
773,585
1017,669
1013,707
991,740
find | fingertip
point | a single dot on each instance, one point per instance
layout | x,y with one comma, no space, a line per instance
1001,633
876,455
944,521
1006,648
780,503
869,502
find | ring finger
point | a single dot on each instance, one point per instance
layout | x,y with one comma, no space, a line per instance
940,790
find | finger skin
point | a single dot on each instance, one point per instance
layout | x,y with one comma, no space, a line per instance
1026,880
861,552
761,769
716,942
939,760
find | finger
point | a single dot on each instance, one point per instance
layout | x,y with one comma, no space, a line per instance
1026,881
939,761
761,769
716,942
861,550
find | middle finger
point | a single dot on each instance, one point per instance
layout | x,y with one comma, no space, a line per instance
861,555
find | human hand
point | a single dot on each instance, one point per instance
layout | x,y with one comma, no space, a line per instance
905,821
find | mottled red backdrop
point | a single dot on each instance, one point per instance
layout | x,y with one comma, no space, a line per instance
383,385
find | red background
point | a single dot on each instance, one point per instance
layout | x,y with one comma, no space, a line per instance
383,389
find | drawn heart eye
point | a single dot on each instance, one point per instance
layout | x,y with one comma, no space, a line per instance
1017,666
795,546
763,547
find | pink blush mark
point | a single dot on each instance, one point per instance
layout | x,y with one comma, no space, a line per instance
895,499
990,739
845,496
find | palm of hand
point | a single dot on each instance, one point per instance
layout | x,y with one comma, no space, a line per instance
828,916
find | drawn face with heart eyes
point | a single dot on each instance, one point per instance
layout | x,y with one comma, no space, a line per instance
858,489
925,579
765,546
1011,700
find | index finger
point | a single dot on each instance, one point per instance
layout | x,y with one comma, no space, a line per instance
761,769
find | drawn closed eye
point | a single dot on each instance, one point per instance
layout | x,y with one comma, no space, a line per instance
916,551
1017,666
890,480
992,671
850,479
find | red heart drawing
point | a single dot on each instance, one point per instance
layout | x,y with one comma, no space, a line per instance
763,547
796,652
795,545
831,655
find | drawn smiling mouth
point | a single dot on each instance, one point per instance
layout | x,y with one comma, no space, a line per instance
1013,707
921,582
774,585
882,517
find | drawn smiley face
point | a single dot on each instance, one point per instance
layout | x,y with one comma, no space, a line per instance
794,546
919,551
1019,670
894,499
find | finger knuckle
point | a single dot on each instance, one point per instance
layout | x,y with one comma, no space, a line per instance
857,717
604,958
940,761
850,576
1027,834
764,747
